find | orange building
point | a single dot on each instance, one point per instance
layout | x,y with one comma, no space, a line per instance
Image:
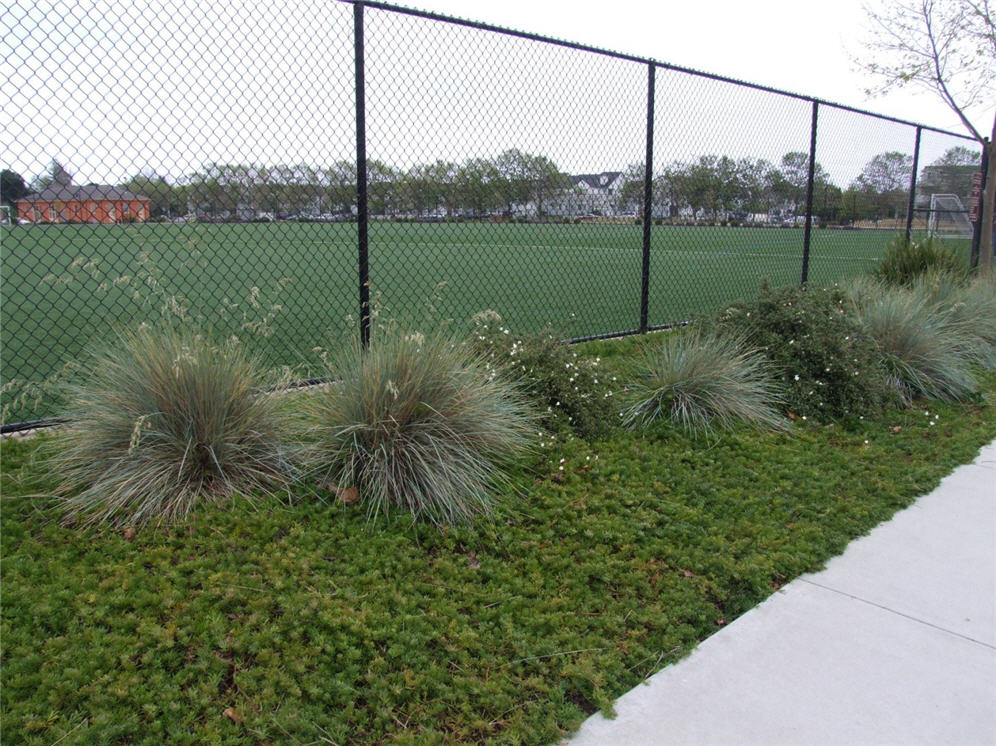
93,203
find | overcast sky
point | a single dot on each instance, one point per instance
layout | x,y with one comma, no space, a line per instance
116,87
802,46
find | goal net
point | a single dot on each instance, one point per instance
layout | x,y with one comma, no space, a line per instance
948,217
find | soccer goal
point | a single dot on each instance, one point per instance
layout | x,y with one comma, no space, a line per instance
948,217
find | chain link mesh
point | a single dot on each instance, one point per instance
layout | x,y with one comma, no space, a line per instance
197,161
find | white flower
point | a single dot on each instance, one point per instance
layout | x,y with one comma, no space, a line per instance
797,376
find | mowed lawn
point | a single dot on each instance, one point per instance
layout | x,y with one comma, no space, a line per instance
289,287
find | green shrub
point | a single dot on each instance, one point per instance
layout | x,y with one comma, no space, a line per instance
571,388
417,423
828,366
927,349
698,381
905,261
162,420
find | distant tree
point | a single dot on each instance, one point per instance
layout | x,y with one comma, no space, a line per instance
12,188
477,185
383,193
949,174
789,182
444,175
339,183
546,181
56,174
948,47
885,183
754,179
163,198
513,178
631,190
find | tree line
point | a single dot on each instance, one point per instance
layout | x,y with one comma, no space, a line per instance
518,183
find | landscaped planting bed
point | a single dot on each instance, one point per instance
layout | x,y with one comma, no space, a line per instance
296,620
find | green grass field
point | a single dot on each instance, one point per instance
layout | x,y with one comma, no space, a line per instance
287,287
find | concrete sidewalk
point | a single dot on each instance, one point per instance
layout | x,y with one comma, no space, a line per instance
894,643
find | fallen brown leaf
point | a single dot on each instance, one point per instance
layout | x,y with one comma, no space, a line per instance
233,715
348,496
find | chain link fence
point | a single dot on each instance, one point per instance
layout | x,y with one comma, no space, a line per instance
286,173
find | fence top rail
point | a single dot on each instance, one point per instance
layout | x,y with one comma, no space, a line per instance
430,15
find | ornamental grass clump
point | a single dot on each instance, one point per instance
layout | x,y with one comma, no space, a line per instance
927,349
972,304
161,420
417,423
699,382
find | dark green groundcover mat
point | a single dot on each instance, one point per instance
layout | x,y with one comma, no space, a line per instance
298,621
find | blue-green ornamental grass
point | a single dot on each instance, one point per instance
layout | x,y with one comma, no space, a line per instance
969,303
701,382
417,422
164,420
929,350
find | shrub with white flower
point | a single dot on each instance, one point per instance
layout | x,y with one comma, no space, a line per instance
563,382
829,367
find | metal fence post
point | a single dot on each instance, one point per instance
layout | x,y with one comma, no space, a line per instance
977,227
361,177
912,202
806,236
648,199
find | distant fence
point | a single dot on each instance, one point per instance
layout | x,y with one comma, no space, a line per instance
276,172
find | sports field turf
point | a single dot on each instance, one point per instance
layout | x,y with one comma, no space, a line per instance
64,286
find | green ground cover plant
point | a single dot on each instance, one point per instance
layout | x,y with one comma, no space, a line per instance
297,620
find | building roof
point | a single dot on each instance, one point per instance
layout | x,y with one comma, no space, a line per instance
597,181
70,193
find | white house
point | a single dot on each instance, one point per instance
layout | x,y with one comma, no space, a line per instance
588,194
